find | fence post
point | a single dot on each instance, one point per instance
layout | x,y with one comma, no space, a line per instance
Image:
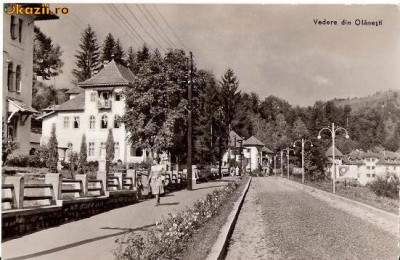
18,182
55,180
132,174
84,179
120,177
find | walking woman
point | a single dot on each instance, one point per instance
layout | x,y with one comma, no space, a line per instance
155,182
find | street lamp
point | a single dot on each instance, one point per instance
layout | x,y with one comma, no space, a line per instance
303,142
287,150
333,134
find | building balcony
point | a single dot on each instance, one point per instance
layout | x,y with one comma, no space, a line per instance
104,104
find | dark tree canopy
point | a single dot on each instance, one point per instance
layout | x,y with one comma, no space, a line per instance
88,55
47,61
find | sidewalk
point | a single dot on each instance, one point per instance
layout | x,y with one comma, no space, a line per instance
94,237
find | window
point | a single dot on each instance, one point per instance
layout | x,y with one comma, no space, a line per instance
91,149
93,96
92,122
373,167
104,122
368,175
76,122
116,121
117,96
136,151
66,122
12,28
20,30
102,151
18,79
116,150
368,167
10,76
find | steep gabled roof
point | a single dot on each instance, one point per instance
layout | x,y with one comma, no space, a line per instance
253,141
337,152
113,74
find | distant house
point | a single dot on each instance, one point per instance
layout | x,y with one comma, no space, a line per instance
18,36
367,166
93,112
255,154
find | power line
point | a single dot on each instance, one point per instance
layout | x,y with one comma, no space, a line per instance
132,33
165,21
144,29
161,33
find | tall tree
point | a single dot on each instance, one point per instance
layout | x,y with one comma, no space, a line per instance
131,59
88,57
47,61
52,160
110,148
82,161
119,54
108,48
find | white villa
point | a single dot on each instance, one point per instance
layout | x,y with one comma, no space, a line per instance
255,153
93,112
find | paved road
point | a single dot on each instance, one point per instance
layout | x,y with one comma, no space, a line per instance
94,238
279,221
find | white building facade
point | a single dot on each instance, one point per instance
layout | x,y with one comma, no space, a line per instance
93,113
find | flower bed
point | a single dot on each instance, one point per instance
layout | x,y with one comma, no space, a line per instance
171,236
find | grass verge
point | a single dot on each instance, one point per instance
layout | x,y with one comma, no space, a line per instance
358,193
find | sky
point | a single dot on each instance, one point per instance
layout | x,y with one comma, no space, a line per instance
273,49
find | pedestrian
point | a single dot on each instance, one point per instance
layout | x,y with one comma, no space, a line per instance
237,171
155,182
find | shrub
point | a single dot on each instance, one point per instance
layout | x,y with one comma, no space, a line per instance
8,147
386,186
170,237
18,161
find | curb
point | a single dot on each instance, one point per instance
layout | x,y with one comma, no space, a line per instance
337,197
219,248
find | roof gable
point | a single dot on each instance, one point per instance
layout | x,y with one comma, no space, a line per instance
76,103
337,152
253,141
113,74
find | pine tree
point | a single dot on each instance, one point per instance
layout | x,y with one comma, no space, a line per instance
110,148
131,60
88,57
107,50
52,160
119,54
82,156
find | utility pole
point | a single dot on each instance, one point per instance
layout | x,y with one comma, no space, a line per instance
189,145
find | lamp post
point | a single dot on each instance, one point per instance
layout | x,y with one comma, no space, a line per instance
241,155
282,162
303,142
333,135
287,150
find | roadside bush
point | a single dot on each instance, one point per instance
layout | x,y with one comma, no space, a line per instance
18,161
386,186
170,237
